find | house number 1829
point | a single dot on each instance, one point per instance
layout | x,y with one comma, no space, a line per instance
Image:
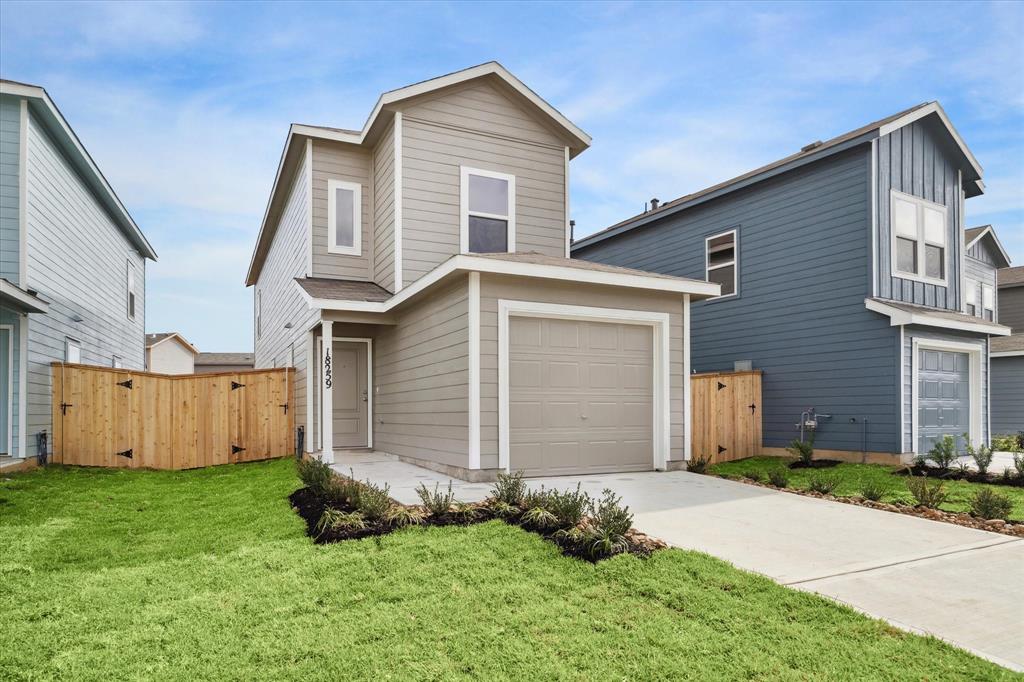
327,368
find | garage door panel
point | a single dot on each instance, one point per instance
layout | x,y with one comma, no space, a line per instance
587,406
943,397
525,335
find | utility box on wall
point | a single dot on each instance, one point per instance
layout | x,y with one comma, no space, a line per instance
726,414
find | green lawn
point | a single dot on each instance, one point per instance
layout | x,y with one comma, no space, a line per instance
853,478
207,575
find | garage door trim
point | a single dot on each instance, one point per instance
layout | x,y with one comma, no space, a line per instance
660,323
974,353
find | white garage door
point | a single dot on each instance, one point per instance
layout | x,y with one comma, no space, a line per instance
580,396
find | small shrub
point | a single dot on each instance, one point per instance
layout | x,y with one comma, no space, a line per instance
509,488
315,475
575,536
1018,464
335,520
536,498
698,465
989,504
437,503
778,478
400,516
872,492
943,453
465,512
804,449
569,507
820,483
752,474
503,510
982,455
1007,474
343,491
1006,442
374,502
609,523
929,493
603,542
540,518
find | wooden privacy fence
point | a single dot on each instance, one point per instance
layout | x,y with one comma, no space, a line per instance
121,418
726,414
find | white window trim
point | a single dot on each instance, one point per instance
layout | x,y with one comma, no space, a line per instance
9,329
68,342
921,241
966,302
735,262
658,321
464,173
323,389
259,314
129,285
984,308
357,214
974,355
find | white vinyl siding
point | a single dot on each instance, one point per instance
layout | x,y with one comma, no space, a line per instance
339,165
384,210
344,217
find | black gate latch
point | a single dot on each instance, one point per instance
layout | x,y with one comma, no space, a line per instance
127,384
235,449
285,406
752,407
64,407
126,453
235,384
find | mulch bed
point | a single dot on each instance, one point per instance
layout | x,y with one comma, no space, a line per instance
309,506
958,475
1013,528
815,464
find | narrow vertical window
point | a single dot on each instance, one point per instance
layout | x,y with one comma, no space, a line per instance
259,313
72,351
918,238
130,286
971,297
488,202
720,261
344,219
988,302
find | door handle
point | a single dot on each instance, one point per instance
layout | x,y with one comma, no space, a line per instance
364,396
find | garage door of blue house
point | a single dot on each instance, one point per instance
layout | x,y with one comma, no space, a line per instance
943,397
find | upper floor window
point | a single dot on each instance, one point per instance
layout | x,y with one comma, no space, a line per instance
344,217
488,212
971,297
988,302
130,286
918,238
259,313
720,265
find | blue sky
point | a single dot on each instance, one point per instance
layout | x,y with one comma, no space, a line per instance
185,106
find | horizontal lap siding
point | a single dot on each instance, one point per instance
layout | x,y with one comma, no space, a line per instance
77,260
384,210
10,142
1011,308
337,161
1007,395
478,127
983,273
912,161
911,333
421,379
804,254
282,302
495,287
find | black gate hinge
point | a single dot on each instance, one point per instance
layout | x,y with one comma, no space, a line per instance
235,449
235,384
125,453
752,407
285,406
720,385
720,449
127,384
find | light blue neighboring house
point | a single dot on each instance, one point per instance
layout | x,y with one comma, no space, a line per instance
72,265
847,277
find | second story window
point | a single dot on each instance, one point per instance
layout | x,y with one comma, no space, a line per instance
720,261
130,285
988,302
344,224
488,212
919,238
970,297
259,314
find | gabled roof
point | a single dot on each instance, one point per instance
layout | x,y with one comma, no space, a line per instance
1010,277
380,116
158,338
973,235
46,111
808,154
343,289
247,359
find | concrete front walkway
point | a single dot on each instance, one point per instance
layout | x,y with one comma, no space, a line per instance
959,584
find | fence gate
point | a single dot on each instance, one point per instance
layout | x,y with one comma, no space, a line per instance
119,418
726,415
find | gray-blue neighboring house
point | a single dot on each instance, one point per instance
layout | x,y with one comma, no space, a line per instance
72,266
1008,355
846,278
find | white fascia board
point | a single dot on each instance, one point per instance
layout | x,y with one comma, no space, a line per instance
899,317
1008,354
988,231
934,108
28,302
179,338
499,267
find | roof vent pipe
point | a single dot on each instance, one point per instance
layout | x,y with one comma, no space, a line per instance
654,204
813,145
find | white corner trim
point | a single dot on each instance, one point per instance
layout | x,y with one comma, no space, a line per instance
903,393
310,444
898,317
326,394
961,249
309,207
509,217
23,386
974,352
23,196
397,211
662,379
874,220
9,446
988,389
568,215
687,407
357,217
474,370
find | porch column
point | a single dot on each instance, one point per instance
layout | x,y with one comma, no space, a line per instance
326,397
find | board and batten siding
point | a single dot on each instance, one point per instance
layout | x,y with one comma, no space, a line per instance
479,127
804,257
421,379
77,260
914,332
496,287
1007,395
10,143
282,303
982,273
350,163
911,160
384,210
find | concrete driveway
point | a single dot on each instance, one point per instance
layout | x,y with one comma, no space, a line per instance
962,585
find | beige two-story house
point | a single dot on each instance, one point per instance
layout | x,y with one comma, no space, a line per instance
416,274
